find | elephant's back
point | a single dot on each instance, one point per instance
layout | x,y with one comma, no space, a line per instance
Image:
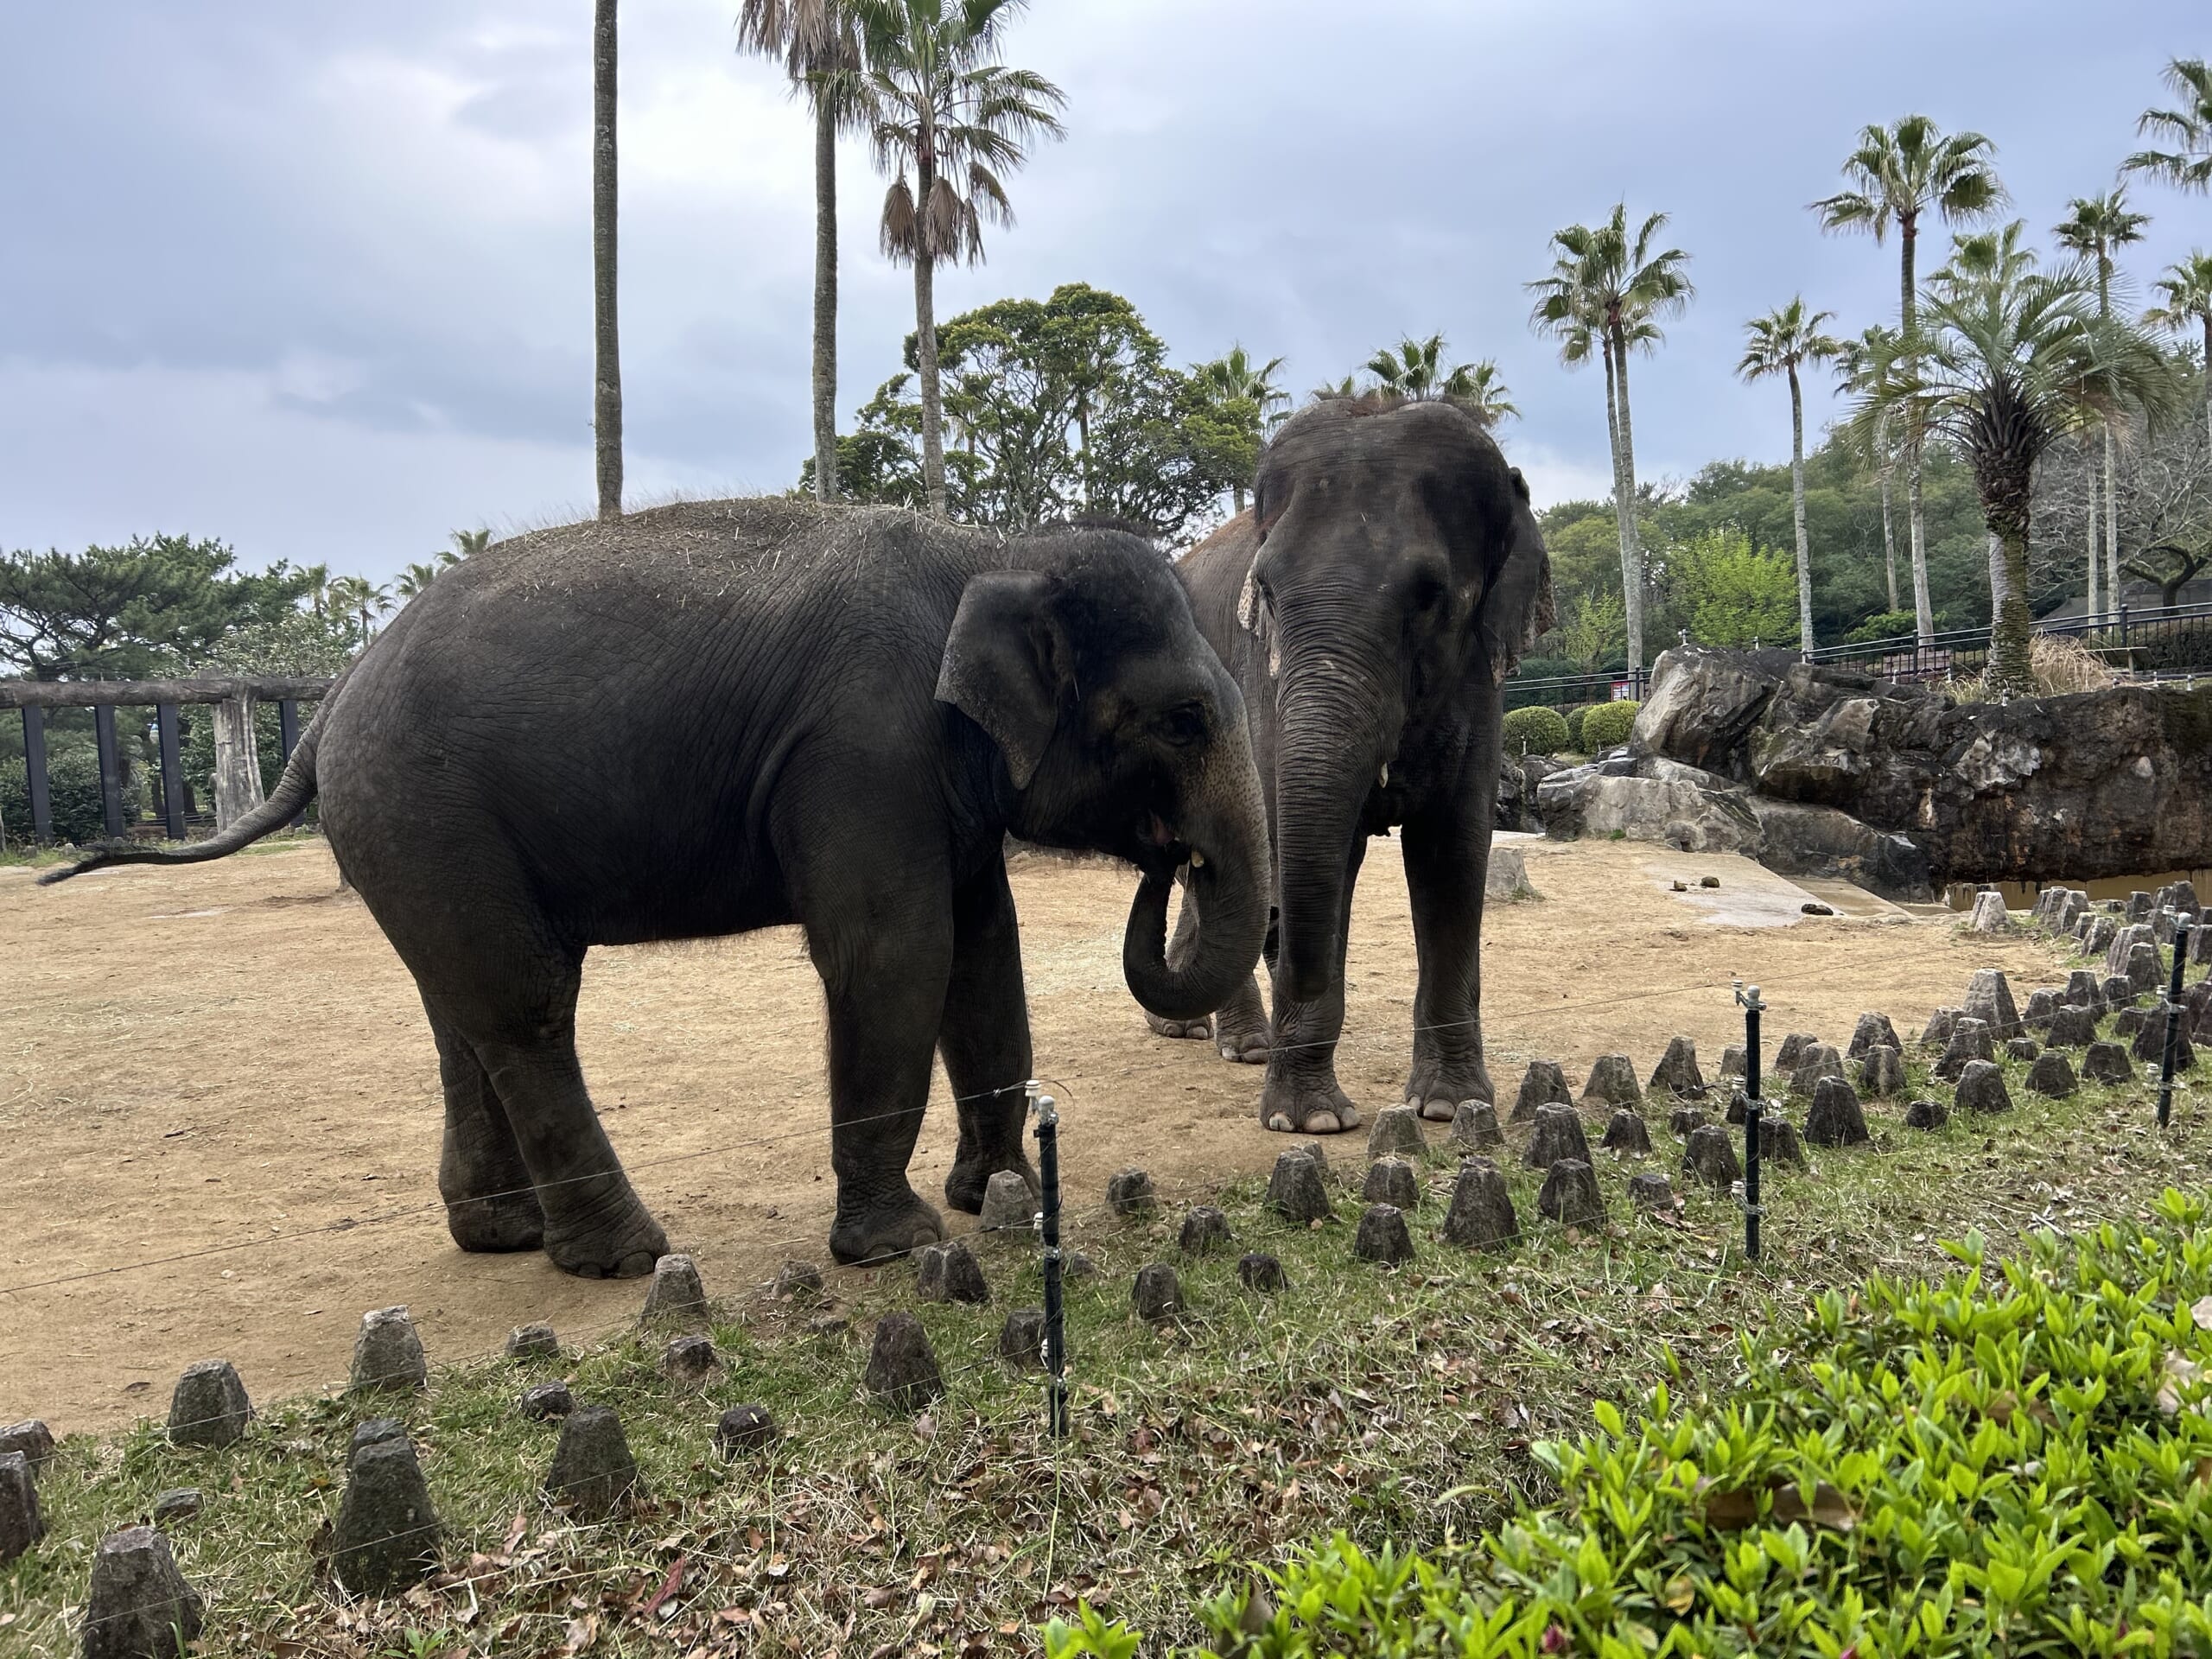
1214,574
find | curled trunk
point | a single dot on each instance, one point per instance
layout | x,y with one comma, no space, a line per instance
1227,883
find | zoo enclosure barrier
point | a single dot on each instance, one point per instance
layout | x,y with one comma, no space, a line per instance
237,781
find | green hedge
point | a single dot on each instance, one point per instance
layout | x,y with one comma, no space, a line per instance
72,785
1533,731
2015,1461
1575,719
1605,726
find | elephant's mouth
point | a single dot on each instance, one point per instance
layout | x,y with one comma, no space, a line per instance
1159,849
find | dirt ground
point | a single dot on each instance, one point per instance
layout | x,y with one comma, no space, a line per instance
231,1056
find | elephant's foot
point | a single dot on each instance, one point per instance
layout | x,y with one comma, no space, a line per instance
505,1222
1314,1106
1193,1029
1439,1086
971,1174
614,1238
1241,1031
882,1228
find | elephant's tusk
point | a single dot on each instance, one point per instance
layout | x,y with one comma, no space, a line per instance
1197,858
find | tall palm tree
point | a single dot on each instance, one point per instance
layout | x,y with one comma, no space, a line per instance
2011,359
467,544
1236,377
946,120
1780,343
319,587
2188,166
607,348
819,47
1897,173
1484,394
2187,285
1608,288
2095,227
1854,369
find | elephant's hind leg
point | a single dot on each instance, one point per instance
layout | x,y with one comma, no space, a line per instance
490,1202
984,1040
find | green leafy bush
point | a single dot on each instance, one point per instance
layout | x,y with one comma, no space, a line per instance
1575,718
73,784
2016,1460
1884,625
1606,725
1534,731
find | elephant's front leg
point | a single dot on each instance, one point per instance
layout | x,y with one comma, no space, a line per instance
1300,1095
884,969
1446,858
984,1039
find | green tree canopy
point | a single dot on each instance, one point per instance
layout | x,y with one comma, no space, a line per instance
1729,593
1056,407
135,611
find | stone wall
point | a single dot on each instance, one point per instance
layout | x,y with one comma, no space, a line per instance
1899,787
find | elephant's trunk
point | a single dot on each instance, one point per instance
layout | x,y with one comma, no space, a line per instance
1225,826
1335,740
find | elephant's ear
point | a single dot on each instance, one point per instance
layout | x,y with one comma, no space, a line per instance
1517,606
1004,665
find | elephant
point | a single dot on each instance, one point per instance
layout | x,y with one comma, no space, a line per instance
1387,577
717,716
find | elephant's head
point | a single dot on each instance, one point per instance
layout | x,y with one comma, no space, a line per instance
1400,574
1121,732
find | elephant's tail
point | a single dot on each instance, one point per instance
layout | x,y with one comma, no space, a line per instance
293,791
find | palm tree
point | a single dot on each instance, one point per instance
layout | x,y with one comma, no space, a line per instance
1608,288
1897,173
1855,367
319,586
1778,343
941,109
606,350
413,578
1347,387
2095,227
2188,288
1484,394
2013,359
1236,378
2189,166
819,47
467,544
1415,370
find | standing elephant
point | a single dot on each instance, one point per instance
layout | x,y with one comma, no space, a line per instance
718,716
1388,576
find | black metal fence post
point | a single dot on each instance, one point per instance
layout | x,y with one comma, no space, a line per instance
110,770
1754,1112
165,723
34,767
288,739
2173,1021
1048,1222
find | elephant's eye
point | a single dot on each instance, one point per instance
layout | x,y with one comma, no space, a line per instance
1184,723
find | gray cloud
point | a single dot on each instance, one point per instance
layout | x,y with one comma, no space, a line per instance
318,279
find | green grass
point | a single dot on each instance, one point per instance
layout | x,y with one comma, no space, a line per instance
1401,1405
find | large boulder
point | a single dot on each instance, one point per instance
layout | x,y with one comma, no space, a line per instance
2094,784
1656,800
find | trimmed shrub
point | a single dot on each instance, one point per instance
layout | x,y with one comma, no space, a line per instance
72,785
1606,727
1533,731
1575,719
1884,625
2011,1461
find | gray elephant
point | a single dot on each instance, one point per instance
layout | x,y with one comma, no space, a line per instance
1388,576
718,716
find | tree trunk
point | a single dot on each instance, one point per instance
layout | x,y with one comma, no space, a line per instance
1620,492
1797,513
237,765
2010,632
1237,495
926,358
1631,548
2089,541
2111,524
606,379
825,301
1889,519
1909,321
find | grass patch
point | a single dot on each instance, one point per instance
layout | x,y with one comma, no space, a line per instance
1405,1405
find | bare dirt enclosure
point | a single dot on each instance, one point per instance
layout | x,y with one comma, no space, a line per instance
231,1055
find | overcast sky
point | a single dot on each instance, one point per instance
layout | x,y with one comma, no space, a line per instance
317,279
